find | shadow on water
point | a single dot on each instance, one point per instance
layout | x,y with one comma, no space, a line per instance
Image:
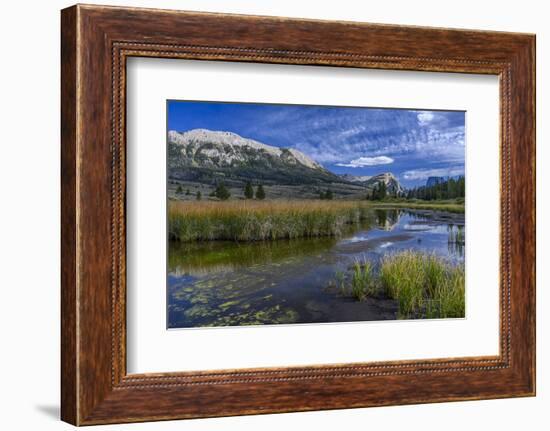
220,283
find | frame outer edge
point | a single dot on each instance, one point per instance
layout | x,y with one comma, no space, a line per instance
533,54
87,397
532,101
523,201
69,196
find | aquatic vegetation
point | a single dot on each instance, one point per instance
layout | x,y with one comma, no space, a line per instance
321,279
456,234
435,272
210,257
456,239
262,220
362,280
404,277
340,281
424,285
247,220
451,294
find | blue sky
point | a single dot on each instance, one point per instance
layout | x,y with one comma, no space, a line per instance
412,144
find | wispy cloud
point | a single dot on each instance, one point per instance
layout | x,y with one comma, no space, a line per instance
341,139
424,117
361,162
423,174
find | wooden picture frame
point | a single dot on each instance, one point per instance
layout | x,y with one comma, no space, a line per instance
95,43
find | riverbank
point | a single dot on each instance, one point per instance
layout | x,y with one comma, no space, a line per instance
253,220
451,206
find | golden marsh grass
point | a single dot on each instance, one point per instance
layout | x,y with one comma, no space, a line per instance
249,220
253,220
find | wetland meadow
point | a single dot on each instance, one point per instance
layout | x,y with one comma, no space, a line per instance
284,214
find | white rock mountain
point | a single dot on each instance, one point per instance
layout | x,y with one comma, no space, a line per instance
208,156
355,178
393,186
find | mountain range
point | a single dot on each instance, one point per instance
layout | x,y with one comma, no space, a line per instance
209,157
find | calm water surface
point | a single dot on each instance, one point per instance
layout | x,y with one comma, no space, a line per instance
221,283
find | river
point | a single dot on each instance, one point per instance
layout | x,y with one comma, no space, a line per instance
221,283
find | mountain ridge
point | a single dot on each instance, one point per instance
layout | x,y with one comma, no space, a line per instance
210,157
230,139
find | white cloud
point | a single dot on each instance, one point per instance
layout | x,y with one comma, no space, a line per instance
424,118
423,174
367,161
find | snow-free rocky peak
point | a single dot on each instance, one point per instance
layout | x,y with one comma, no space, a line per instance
207,148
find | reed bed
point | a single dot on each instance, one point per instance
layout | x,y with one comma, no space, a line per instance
424,285
249,220
363,282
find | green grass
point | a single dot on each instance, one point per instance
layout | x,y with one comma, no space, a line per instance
403,278
453,206
362,280
451,294
424,285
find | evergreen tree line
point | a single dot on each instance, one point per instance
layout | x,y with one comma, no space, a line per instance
379,192
326,195
179,191
249,191
449,189
223,193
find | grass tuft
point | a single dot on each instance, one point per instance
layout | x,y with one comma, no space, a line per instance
424,285
362,280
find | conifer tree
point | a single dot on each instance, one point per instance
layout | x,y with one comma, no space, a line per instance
248,191
222,192
260,193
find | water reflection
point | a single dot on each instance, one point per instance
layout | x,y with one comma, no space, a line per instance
202,258
227,283
387,219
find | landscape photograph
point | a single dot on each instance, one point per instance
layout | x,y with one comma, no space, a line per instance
303,214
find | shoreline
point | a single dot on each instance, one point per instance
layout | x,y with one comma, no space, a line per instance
253,220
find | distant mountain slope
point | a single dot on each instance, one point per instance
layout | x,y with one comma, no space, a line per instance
355,178
209,156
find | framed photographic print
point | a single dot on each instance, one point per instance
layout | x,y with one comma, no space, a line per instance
268,215
255,229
